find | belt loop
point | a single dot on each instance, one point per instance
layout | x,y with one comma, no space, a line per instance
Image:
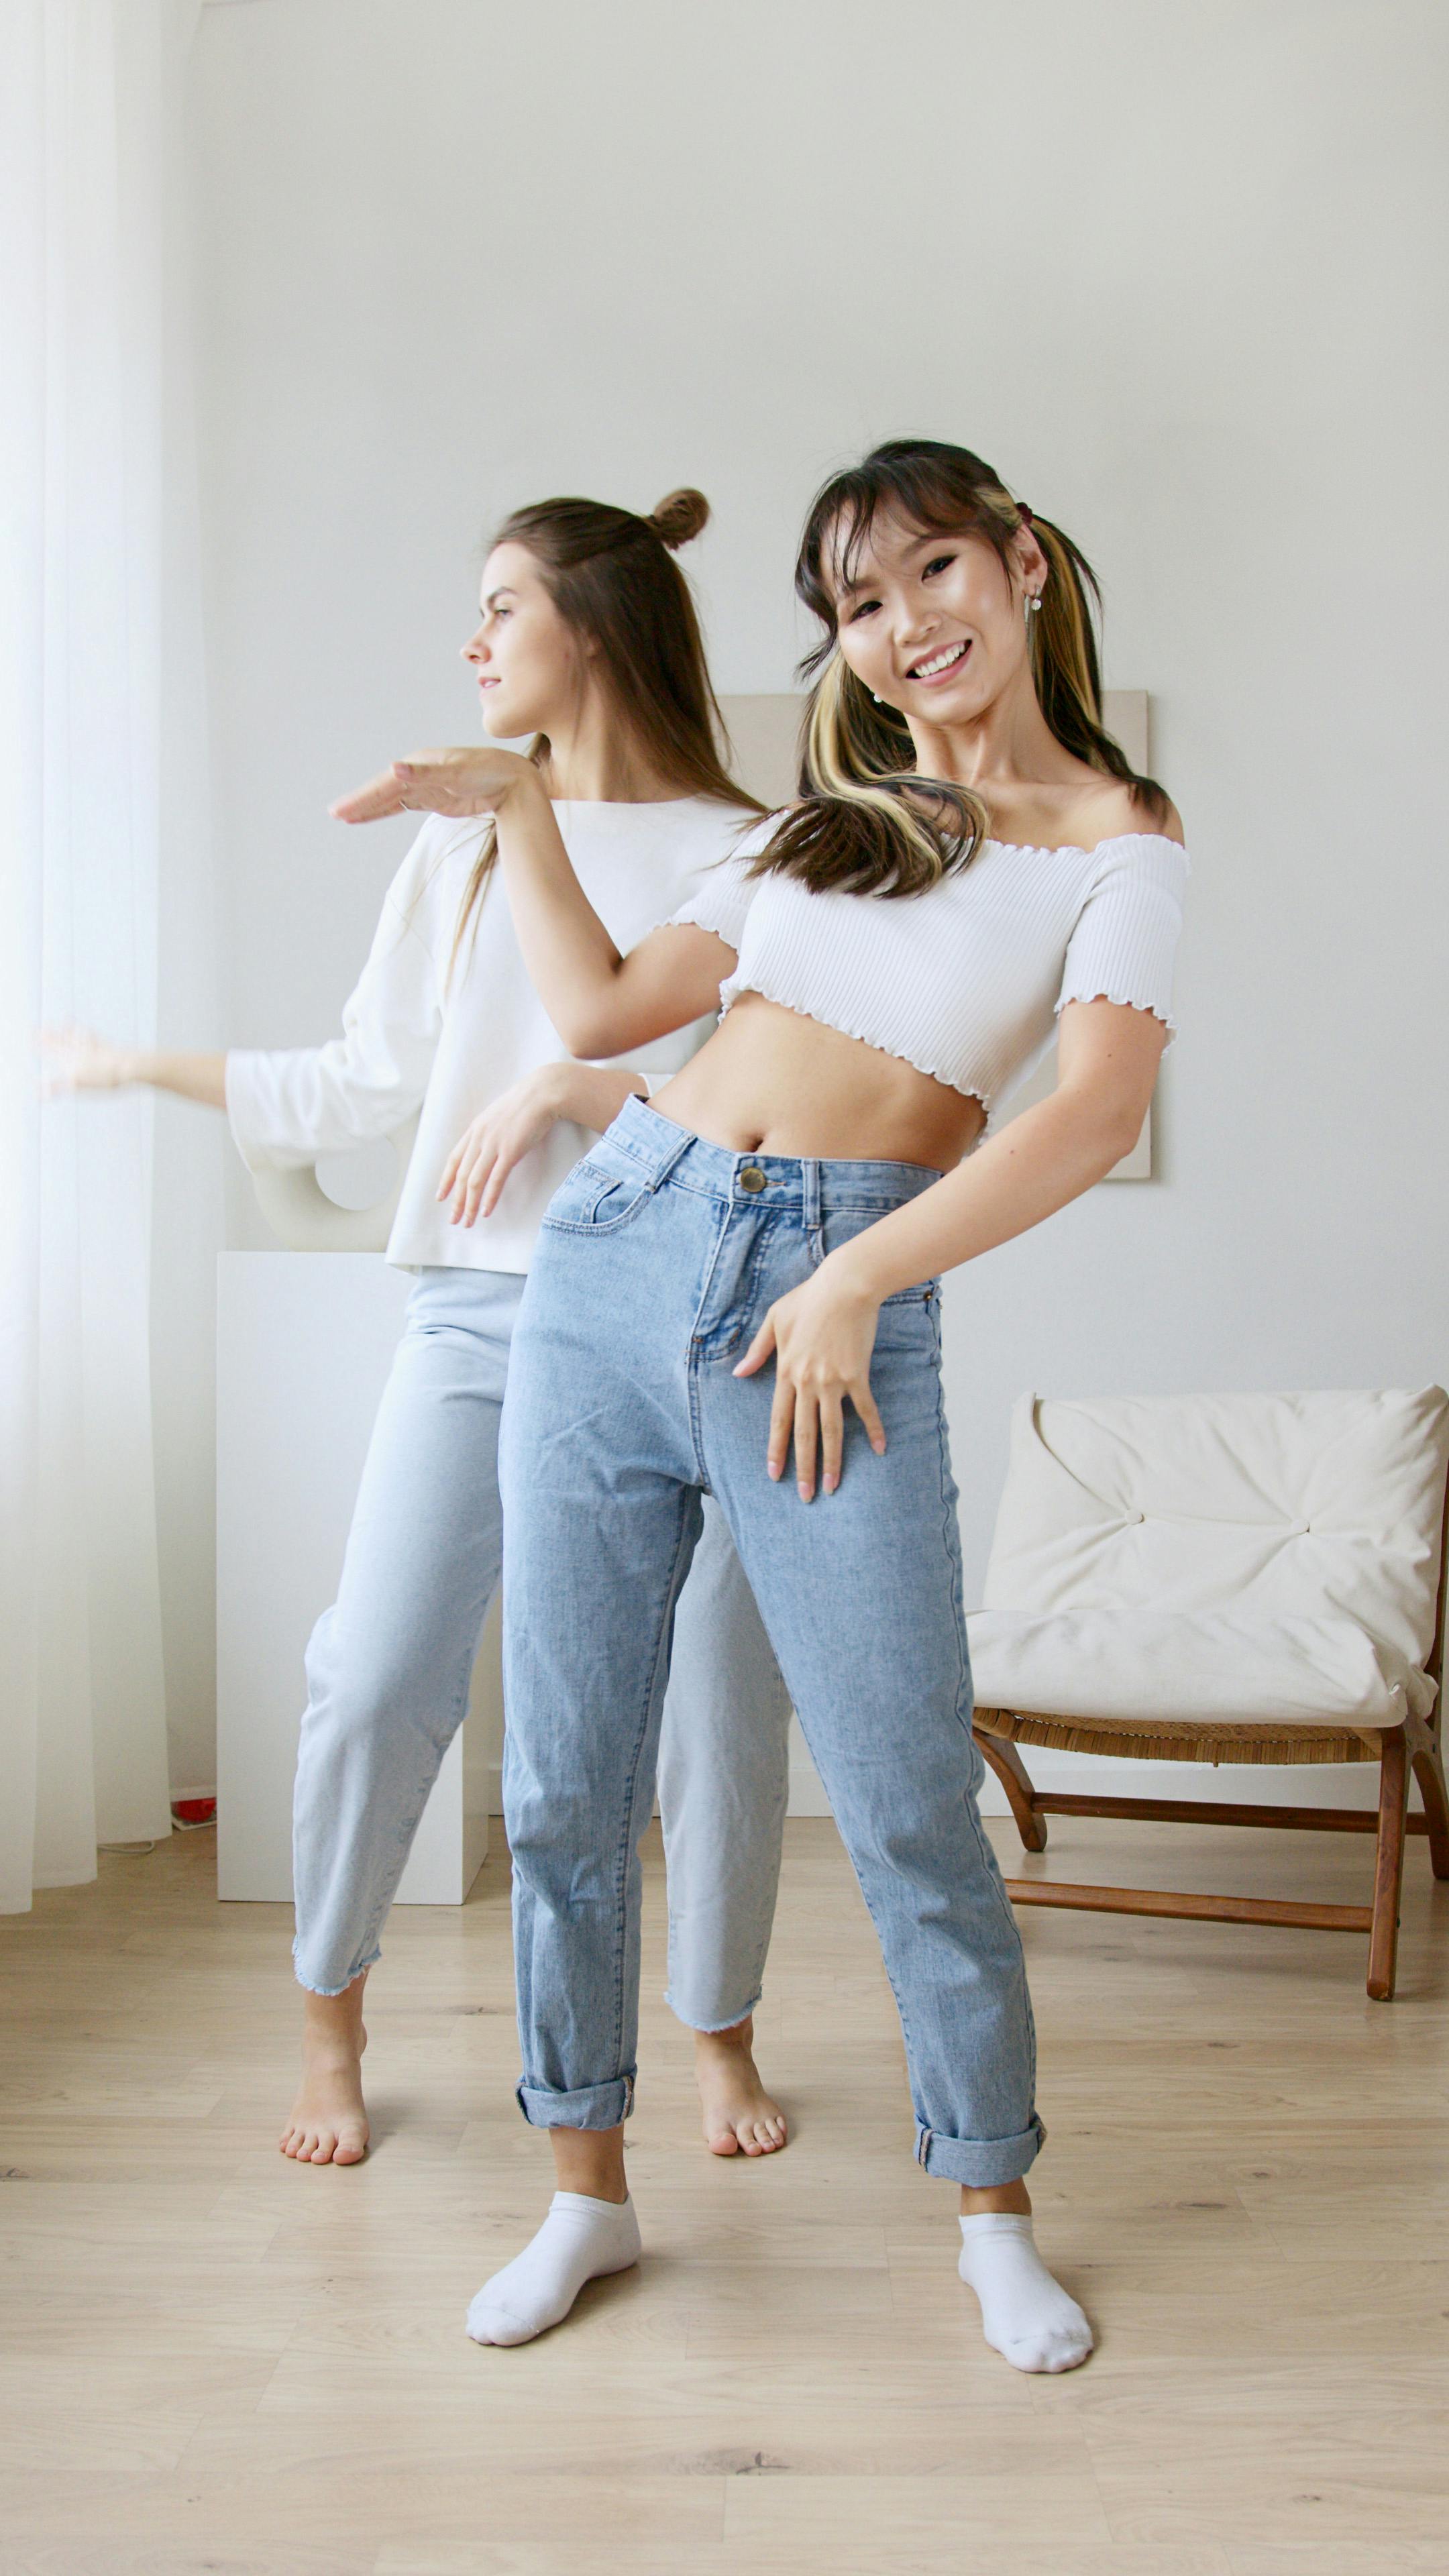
661,1158
667,1161
810,1190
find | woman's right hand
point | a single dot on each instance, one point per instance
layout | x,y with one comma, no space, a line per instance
475,778
76,1059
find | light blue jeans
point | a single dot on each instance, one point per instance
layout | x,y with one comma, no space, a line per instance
388,1670
658,1258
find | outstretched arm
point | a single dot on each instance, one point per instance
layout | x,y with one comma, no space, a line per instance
600,1002
289,1104
75,1059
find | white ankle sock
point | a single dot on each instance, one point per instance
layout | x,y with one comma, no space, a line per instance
1025,2314
579,2239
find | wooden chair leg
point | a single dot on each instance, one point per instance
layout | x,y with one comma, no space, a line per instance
1429,1772
1389,1868
1015,1779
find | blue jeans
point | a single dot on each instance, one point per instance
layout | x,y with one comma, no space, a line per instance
388,1670
658,1258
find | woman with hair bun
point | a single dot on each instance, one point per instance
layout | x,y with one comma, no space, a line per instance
972,861
587,640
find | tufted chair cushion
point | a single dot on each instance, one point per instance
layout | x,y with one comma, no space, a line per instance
1256,1558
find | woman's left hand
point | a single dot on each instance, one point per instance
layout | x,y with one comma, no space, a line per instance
822,1336
477,778
589,1095
498,1139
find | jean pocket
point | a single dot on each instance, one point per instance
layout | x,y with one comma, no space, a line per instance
597,1197
839,1229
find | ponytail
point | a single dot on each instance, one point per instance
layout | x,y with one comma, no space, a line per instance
1064,662
867,821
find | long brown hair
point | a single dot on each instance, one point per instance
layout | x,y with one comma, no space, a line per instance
613,579
868,822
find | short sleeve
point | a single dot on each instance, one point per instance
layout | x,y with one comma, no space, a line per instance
1125,938
721,898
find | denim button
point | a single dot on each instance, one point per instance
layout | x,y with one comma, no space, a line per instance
752,1178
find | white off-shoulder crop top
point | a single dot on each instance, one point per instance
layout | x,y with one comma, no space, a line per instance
965,980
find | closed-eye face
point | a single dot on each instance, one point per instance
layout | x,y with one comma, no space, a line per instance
529,663
929,620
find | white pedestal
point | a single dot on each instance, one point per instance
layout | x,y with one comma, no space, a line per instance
304,1344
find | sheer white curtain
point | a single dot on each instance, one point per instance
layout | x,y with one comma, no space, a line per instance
89,114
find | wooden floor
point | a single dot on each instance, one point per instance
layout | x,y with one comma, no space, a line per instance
214,2359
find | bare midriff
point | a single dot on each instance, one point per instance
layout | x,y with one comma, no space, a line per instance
771,1081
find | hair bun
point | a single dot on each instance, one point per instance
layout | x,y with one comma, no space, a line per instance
679,517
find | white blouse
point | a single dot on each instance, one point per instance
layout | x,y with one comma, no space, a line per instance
412,1035
965,980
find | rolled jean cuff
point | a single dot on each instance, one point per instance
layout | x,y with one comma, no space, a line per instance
700,2019
594,2106
980,2162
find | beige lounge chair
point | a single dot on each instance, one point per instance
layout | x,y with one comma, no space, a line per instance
1249,1579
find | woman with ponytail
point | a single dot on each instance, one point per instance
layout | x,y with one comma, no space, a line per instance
588,640
747,1269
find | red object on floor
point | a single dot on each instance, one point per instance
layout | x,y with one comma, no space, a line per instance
194,1811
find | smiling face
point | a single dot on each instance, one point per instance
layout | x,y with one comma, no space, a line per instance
531,668
934,624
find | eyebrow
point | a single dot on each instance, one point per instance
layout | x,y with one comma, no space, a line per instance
852,589
505,590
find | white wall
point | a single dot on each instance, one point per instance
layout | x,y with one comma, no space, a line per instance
1166,269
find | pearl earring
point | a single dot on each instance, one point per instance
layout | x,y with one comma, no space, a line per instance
875,693
1031,602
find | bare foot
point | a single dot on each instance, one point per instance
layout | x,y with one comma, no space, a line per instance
328,2121
739,2116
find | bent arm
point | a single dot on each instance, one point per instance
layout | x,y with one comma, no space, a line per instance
592,1095
287,1105
1108,1055
600,1002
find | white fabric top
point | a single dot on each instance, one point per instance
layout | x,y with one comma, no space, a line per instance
1266,1558
965,980
411,1036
